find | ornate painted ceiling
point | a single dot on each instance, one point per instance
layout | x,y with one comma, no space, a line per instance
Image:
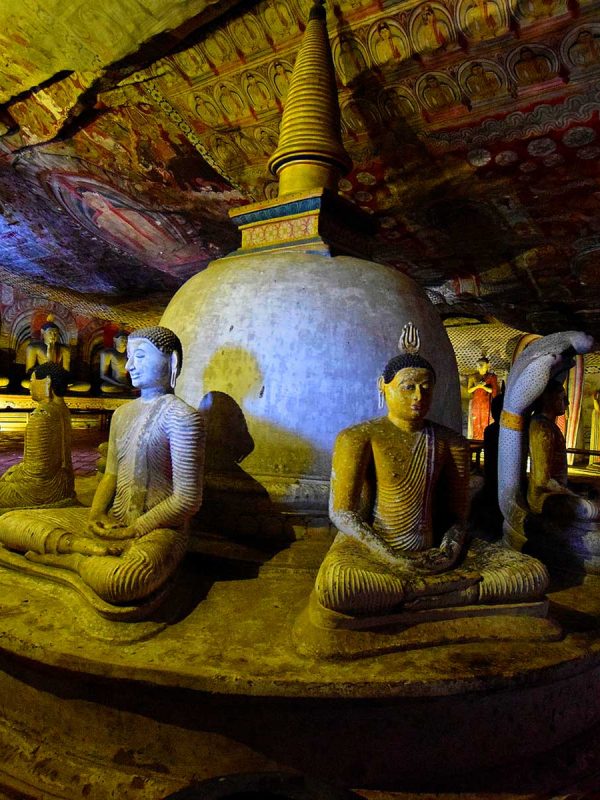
128,130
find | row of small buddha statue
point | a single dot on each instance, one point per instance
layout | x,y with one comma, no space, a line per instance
399,496
113,377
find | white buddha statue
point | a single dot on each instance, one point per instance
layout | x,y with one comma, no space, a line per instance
134,536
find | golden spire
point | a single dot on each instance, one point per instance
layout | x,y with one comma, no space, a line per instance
310,154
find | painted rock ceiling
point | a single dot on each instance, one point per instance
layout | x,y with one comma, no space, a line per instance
128,130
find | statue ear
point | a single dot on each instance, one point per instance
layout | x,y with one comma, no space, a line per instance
48,386
381,397
174,369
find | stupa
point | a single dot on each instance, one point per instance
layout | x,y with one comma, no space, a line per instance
288,335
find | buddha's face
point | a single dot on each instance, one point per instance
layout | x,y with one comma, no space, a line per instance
408,395
482,367
555,401
50,336
120,343
147,366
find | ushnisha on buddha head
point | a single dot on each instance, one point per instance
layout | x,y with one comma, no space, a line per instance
407,382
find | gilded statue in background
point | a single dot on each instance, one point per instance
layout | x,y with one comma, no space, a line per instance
136,533
113,366
547,490
51,350
45,475
399,499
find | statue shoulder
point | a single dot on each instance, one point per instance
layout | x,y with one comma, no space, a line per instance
42,411
362,432
540,427
181,412
448,435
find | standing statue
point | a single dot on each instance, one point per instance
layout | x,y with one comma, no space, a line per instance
113,372
399,499
595,430
483,387
136,532
553,521
45,476
50,349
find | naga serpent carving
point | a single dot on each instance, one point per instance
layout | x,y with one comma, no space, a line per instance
547,358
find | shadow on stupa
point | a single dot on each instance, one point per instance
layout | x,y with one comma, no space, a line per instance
240,524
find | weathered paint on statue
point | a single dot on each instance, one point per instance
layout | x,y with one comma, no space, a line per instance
45,476
137,530
399,499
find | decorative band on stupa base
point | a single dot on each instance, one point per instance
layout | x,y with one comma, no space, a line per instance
314,221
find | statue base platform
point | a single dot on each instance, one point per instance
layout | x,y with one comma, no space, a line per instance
322,633
572,548
220,691
60,586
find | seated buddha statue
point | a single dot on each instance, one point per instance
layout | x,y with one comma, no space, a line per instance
45,475
113,372
50,349
399,499
128,545
548,491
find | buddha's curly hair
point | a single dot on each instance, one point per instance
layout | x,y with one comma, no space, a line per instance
164,339
59,377
405,361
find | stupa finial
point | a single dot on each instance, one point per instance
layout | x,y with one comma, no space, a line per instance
310,154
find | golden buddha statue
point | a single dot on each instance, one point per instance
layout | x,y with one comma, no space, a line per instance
113,366
136,532
399,499
548,492
50,349
45,476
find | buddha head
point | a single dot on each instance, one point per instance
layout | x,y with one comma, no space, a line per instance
50,333
120,341
553,402
154,358
408,379
48,379
483,366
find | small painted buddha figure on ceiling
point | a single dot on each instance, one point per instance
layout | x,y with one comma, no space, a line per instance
399,499
136,533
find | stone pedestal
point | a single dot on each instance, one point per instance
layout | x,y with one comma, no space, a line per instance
222,691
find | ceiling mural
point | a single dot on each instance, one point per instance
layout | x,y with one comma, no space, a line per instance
473,125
